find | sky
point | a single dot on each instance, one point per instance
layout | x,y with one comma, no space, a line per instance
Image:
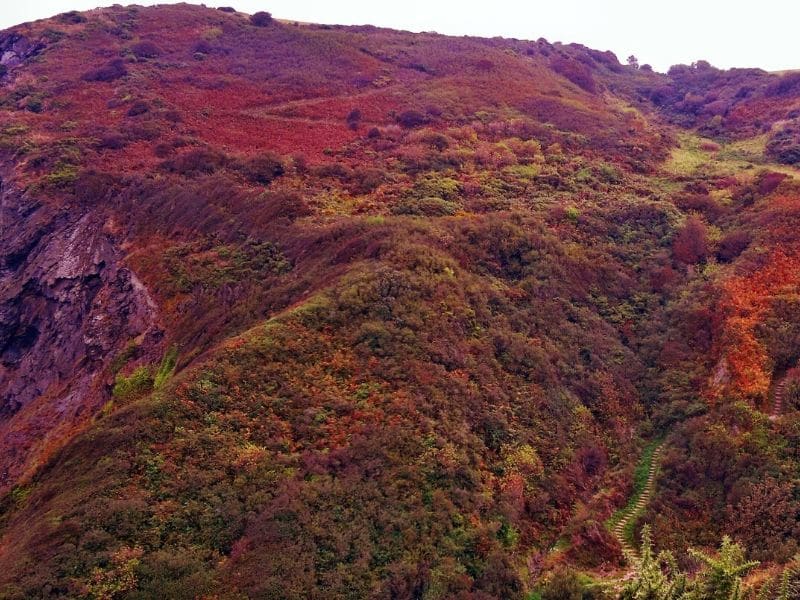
727,33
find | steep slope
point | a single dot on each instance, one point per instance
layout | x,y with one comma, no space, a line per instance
301,311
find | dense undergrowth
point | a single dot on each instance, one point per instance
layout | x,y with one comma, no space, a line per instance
425,303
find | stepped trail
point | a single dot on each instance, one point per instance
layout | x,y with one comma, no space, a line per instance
634,509
777,398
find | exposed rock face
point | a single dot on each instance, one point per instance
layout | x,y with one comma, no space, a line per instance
67,307
16,48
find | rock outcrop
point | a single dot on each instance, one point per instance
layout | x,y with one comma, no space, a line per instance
68,306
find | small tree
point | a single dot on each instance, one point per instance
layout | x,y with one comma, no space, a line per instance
261,19
633,61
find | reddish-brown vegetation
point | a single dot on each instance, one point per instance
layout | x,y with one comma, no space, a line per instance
407,308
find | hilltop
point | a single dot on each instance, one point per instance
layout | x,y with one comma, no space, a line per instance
292,310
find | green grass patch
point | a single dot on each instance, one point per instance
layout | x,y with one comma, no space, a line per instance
695,156
747,150
688,157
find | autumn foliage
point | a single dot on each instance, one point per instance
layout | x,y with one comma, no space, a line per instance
421,302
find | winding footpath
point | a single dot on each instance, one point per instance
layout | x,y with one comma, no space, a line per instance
631,512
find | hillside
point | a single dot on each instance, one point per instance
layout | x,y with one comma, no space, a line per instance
302,311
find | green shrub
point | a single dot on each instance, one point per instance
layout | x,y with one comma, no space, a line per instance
572,213
135,384
433,185
426,207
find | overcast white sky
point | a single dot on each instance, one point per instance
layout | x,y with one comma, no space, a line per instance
727,33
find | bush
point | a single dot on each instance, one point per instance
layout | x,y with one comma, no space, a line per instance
111,140
411,118
109,72
434,185
263,169
199,160
35,104
784,146
93,187
283,205
426,207
690,246
785,85
227,9
354,119
565,585
609,174
733,244
135,384
72,17
261,19
367,179
163,150
166,368
576,72
146,49
139,107
202,47
701,203
63,177
768,182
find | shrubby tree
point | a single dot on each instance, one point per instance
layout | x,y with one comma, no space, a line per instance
658,577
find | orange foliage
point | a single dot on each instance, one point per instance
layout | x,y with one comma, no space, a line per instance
745,303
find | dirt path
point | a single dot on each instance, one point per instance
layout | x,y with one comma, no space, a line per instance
633,510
